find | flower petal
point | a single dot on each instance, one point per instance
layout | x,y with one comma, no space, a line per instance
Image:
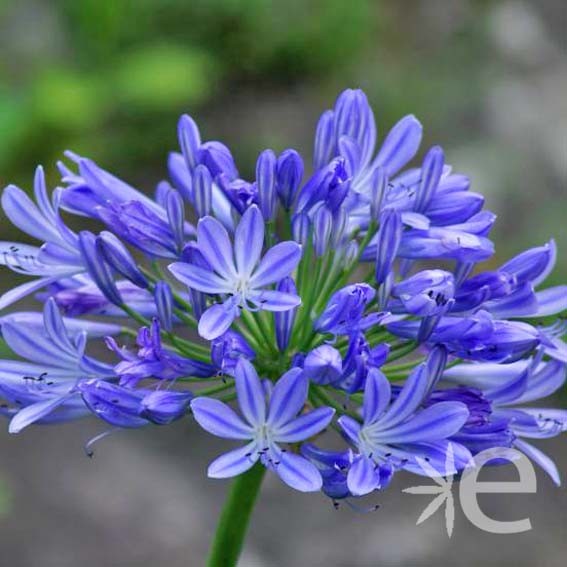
216,320
277,263
214,244
288,397
272,300
305,426
199,278
400,145
362,477
551,301
299,473
438,421
409,399
248,240
377,395
234,462
350,427
250,393
219,419
32,413
540,458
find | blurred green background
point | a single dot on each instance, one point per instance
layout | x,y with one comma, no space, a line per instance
109,79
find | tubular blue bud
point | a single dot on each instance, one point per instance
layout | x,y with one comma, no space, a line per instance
119,258
323,365
324,149
164,304
180,176
227,349
533,265
378,184
164,406
176,216
436,362
284,320
98,269
218,159
289,173
431,172
339,228
387,243
300,227
202,190
197,299
189,140
266,184
322,229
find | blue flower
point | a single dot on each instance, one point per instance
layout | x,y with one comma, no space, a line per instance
397,432
265,428
153,360
43,386
59,255
131,408
228,349
506,388
237,273
344,313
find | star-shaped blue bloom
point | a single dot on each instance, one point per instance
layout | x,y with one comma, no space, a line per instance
237,273
265,426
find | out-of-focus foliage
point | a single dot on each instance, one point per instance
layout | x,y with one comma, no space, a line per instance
111,77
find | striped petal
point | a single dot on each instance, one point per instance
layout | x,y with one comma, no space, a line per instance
277,263
234,462
214,244
250,393
219,419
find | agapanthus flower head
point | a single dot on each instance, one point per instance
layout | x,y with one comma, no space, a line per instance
342,298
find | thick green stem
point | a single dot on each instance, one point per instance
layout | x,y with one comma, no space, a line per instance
235,517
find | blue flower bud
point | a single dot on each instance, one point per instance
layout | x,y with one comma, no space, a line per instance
378,185
164,304
164,406
227,349
431,172
436,362
119,258
284,320
189,140
387,243
533,265
323,365
98,269
300,227
322,230
266,184
180,176
218,159
289,173
197,299
202,190
176,216
324,140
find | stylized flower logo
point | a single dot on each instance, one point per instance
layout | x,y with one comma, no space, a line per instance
443,490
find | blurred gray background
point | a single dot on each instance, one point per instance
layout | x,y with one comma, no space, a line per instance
109,79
